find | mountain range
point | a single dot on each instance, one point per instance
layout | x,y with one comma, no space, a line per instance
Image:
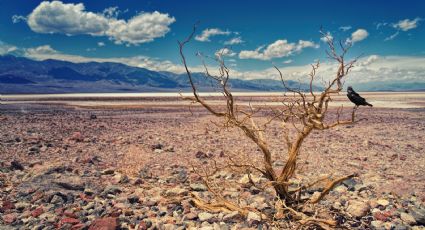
19,75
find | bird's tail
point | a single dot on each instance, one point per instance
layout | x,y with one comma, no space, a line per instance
368,104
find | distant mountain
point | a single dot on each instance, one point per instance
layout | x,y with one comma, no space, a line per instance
391,86
21,75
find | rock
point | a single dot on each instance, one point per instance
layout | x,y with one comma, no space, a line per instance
9,218
245,179
176,191
37,212
358,208
157,146
191,216
15,165
111,189
88,191
377,225
350,184
418,214
77,136
231,216
204,216
252,216
158,151
133,199
198,187
201,155
107,223
408,219
22,205
383,202
71,183
56,200
108,171
69,220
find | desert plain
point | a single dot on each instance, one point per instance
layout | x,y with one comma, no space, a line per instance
126,161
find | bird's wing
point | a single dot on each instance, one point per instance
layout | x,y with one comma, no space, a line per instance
354,93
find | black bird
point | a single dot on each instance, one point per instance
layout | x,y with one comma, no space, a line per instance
356,98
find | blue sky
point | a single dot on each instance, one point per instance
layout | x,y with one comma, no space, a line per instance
389,34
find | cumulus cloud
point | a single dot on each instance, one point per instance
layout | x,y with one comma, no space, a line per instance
100,44
371,68
406,24
73,19
207,33
357,36
234,41
225,52
6,48
278,49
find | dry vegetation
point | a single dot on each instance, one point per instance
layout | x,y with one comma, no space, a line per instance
300,114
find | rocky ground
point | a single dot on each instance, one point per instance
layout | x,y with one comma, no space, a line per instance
67,167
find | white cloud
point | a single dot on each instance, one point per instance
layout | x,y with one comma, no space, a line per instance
225,52
381,24
234,41
73,19
44,50
357,36
100,44
345,28
111,12
278,49
207,33
392,36
142,28
18,18
372,68
327,37
287,61
6,48
406,24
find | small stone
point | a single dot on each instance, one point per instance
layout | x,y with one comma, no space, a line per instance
16,165
88,191
108,172
198,187
107,223
56,200
204,216
350,184
358,208
133,199
231,216
191,216
408,219
377,225
383,202
245,179
22,205
37,212
111,189
418,214
9,218
252,216
176,191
